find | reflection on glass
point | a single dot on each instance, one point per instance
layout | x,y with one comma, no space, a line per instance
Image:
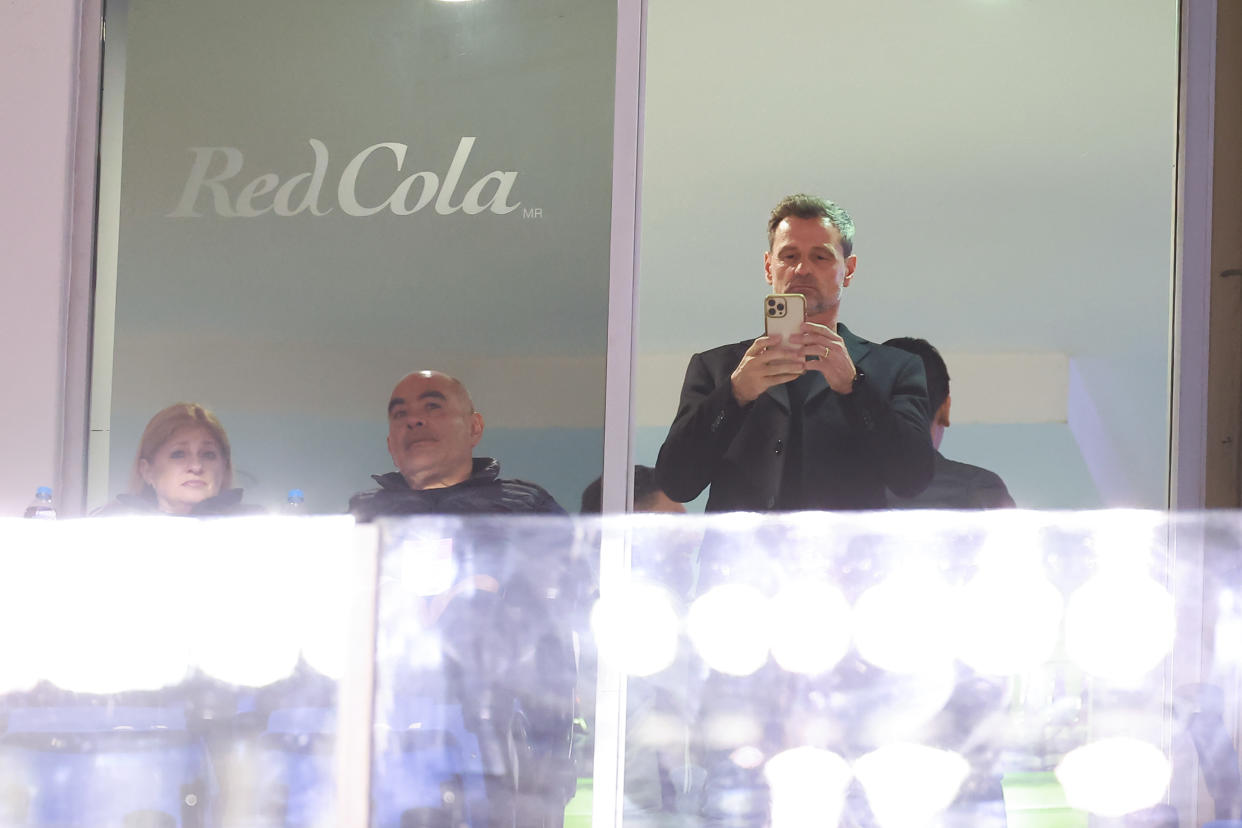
808,787
810,628
636,629
903,624
1009,621
482,686
480,628
174,672
909,784
844,667
1119,626
729,627
1112,777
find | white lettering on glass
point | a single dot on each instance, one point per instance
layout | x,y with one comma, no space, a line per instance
215,172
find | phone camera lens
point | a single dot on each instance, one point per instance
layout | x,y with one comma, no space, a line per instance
780,307
771,302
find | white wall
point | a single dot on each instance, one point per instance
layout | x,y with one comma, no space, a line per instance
38,70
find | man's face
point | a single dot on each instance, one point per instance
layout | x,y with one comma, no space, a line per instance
807,258
432,430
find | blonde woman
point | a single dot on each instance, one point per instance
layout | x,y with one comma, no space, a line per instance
184,467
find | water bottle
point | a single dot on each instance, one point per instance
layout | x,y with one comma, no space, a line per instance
295,503
41,507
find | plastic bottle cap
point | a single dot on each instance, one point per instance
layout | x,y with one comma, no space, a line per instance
43,491
296,494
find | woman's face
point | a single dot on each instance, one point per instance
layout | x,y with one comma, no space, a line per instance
186,470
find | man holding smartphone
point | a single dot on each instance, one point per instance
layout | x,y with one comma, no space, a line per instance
820,419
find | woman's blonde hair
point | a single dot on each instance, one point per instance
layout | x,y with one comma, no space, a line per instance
164,425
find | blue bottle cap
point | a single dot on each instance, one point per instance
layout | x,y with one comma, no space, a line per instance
296,494
43,491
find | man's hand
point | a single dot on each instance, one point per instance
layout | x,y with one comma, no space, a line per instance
834,361
767,362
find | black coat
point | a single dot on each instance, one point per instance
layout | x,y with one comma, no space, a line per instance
481,493
854,446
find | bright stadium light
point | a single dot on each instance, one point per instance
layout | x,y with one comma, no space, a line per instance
1119,626
120,622
905,623
808,787
729,626
1008,621
908,784
1112,777
636,628
810,627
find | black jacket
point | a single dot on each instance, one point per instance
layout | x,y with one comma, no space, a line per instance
853,446
226,504
958,486
481,493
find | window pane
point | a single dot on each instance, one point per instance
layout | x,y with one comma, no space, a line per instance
1009,170
316,199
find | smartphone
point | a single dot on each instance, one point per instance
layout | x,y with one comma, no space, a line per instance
784,313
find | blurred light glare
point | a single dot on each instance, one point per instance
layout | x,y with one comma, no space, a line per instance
1012,546
808,787
896,707
1119,626
747,756
664,731
728,731
904,624
810,628
119,621
251,602
26,579
326,575
1228,647
427,566
1008,621
908,784
729,626
636,628
1115,776
1123,540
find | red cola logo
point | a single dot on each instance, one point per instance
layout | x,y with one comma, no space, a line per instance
213,185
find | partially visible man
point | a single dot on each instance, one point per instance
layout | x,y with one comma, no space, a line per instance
432,431
503,628
648,496
955,485
826,420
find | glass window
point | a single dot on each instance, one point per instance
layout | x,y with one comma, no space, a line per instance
302,203
1008,168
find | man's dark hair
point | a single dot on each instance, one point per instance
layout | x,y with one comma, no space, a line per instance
645,487
933,365
803,206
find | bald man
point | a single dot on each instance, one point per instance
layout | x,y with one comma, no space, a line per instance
432,431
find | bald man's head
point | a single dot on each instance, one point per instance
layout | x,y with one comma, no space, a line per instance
432,429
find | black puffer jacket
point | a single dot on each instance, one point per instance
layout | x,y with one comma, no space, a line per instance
226,504
481,493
